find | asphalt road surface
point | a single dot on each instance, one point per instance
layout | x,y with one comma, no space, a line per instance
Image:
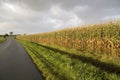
15,64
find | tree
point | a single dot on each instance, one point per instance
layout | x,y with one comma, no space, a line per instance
6,35
11,33
24,34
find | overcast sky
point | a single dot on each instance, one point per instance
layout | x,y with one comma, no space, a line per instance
34,16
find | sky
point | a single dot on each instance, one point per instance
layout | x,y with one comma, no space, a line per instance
36,16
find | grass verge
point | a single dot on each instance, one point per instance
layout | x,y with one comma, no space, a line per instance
2,39
57,66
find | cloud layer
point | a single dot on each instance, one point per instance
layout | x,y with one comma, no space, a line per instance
33,16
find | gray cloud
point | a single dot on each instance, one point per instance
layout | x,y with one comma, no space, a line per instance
33,4
33,16
93,10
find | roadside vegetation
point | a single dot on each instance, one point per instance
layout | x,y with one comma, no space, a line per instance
57,66
93,51
2,39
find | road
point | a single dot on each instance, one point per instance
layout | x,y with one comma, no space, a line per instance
15,64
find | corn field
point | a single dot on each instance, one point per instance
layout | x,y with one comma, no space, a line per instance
97,38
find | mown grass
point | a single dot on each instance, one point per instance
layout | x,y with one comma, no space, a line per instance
103,58
57,66
110,65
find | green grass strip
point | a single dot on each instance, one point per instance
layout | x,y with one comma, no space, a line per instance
2,39
56,66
